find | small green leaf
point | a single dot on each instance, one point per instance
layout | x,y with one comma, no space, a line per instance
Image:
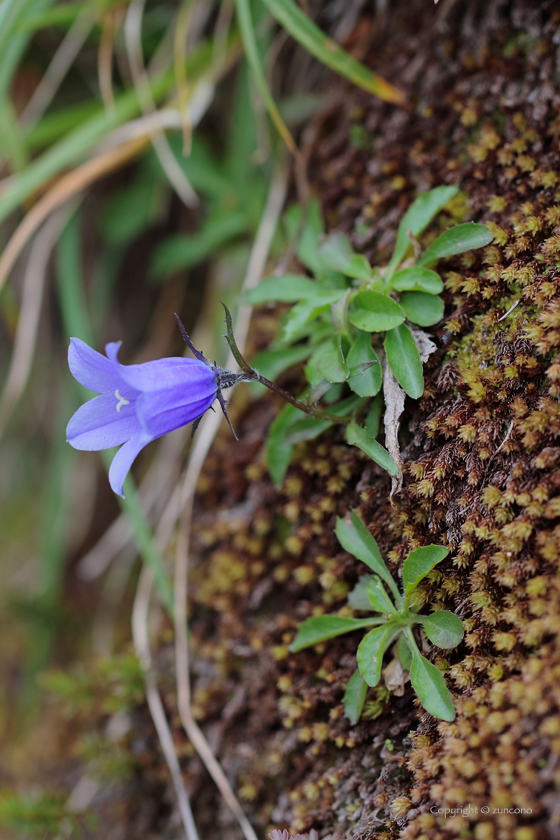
429,684
331,364
355,697
422,308
336,252
374,311
416,219
177,253
404,654
306,428
444,628
359,268
308,247
339,314
131,210
314,376
356,436
365,381
456,240
305,311
420,563
331,280
372,649
319,388
287,289
278,452
358,597
378,597
309,428
357,540
271,363
404,360
417,279
373,418
323,627
290,223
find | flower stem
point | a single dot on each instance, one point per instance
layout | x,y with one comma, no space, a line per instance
251,375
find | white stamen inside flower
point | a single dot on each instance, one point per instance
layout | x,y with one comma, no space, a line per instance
121,401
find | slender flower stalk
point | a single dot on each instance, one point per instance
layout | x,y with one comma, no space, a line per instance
249,374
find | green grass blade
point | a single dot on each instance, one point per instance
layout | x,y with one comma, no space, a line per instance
73,147
247,30
11,142
13,42
70,287
60,15
142,534
45,616
302,28
51,127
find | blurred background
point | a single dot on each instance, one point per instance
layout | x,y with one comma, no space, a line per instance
128,225
137,166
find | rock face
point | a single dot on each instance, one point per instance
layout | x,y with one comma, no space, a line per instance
482,455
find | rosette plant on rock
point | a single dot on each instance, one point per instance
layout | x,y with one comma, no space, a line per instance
395,618
139,403
357,325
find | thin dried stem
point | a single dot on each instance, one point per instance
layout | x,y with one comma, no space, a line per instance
112,19
154,491
257,261
111,596
133,41
57,69
66,187
28,322
155,705
144,126
133,138
223,22
179,60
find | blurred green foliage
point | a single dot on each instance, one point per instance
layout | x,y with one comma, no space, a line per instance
38,817
107,686
95,147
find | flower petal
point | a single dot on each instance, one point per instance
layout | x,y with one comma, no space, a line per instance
91,369
99,425
172,372
161,412
122,461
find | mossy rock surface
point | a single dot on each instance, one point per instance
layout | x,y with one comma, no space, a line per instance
482,456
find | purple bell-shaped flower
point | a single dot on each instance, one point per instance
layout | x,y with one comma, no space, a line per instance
138,403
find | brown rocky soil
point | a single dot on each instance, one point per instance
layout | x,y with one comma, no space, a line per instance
481,450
